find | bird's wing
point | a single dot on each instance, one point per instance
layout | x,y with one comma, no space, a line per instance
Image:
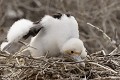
18,30
22,28
33,30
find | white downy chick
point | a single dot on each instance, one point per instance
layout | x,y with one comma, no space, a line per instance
59,35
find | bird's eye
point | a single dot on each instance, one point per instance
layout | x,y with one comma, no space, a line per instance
72,51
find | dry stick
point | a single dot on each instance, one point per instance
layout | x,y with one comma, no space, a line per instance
107,78
114,51
20,51
24,49
93,63
98,52
100,31
108,38
23,43
116,48
36,77
17,67
4,54
2,20
71,62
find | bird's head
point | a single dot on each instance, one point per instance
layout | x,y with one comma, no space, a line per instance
75,49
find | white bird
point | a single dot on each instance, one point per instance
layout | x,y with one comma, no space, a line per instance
54,35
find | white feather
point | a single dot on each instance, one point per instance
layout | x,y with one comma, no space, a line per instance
19,29
16,32
73,44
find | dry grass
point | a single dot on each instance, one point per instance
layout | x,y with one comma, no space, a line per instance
100,35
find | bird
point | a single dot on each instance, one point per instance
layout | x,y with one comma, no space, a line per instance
53,35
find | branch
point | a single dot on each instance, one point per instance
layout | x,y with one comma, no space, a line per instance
93,63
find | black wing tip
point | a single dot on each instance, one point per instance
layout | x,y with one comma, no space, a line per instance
68,14
59,15
33,32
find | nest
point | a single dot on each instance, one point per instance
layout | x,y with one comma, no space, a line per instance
98,67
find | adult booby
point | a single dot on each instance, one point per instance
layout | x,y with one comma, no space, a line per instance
54,35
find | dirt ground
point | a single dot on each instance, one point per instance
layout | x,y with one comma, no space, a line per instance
99,26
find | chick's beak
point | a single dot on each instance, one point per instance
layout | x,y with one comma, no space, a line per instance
77,58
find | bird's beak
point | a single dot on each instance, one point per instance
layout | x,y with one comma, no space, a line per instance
77,58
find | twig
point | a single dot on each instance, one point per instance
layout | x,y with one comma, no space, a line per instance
100,31
72,62
107,78
2,20
17,67
115,51
23,43
93,63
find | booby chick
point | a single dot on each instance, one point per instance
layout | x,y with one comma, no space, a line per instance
54,35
